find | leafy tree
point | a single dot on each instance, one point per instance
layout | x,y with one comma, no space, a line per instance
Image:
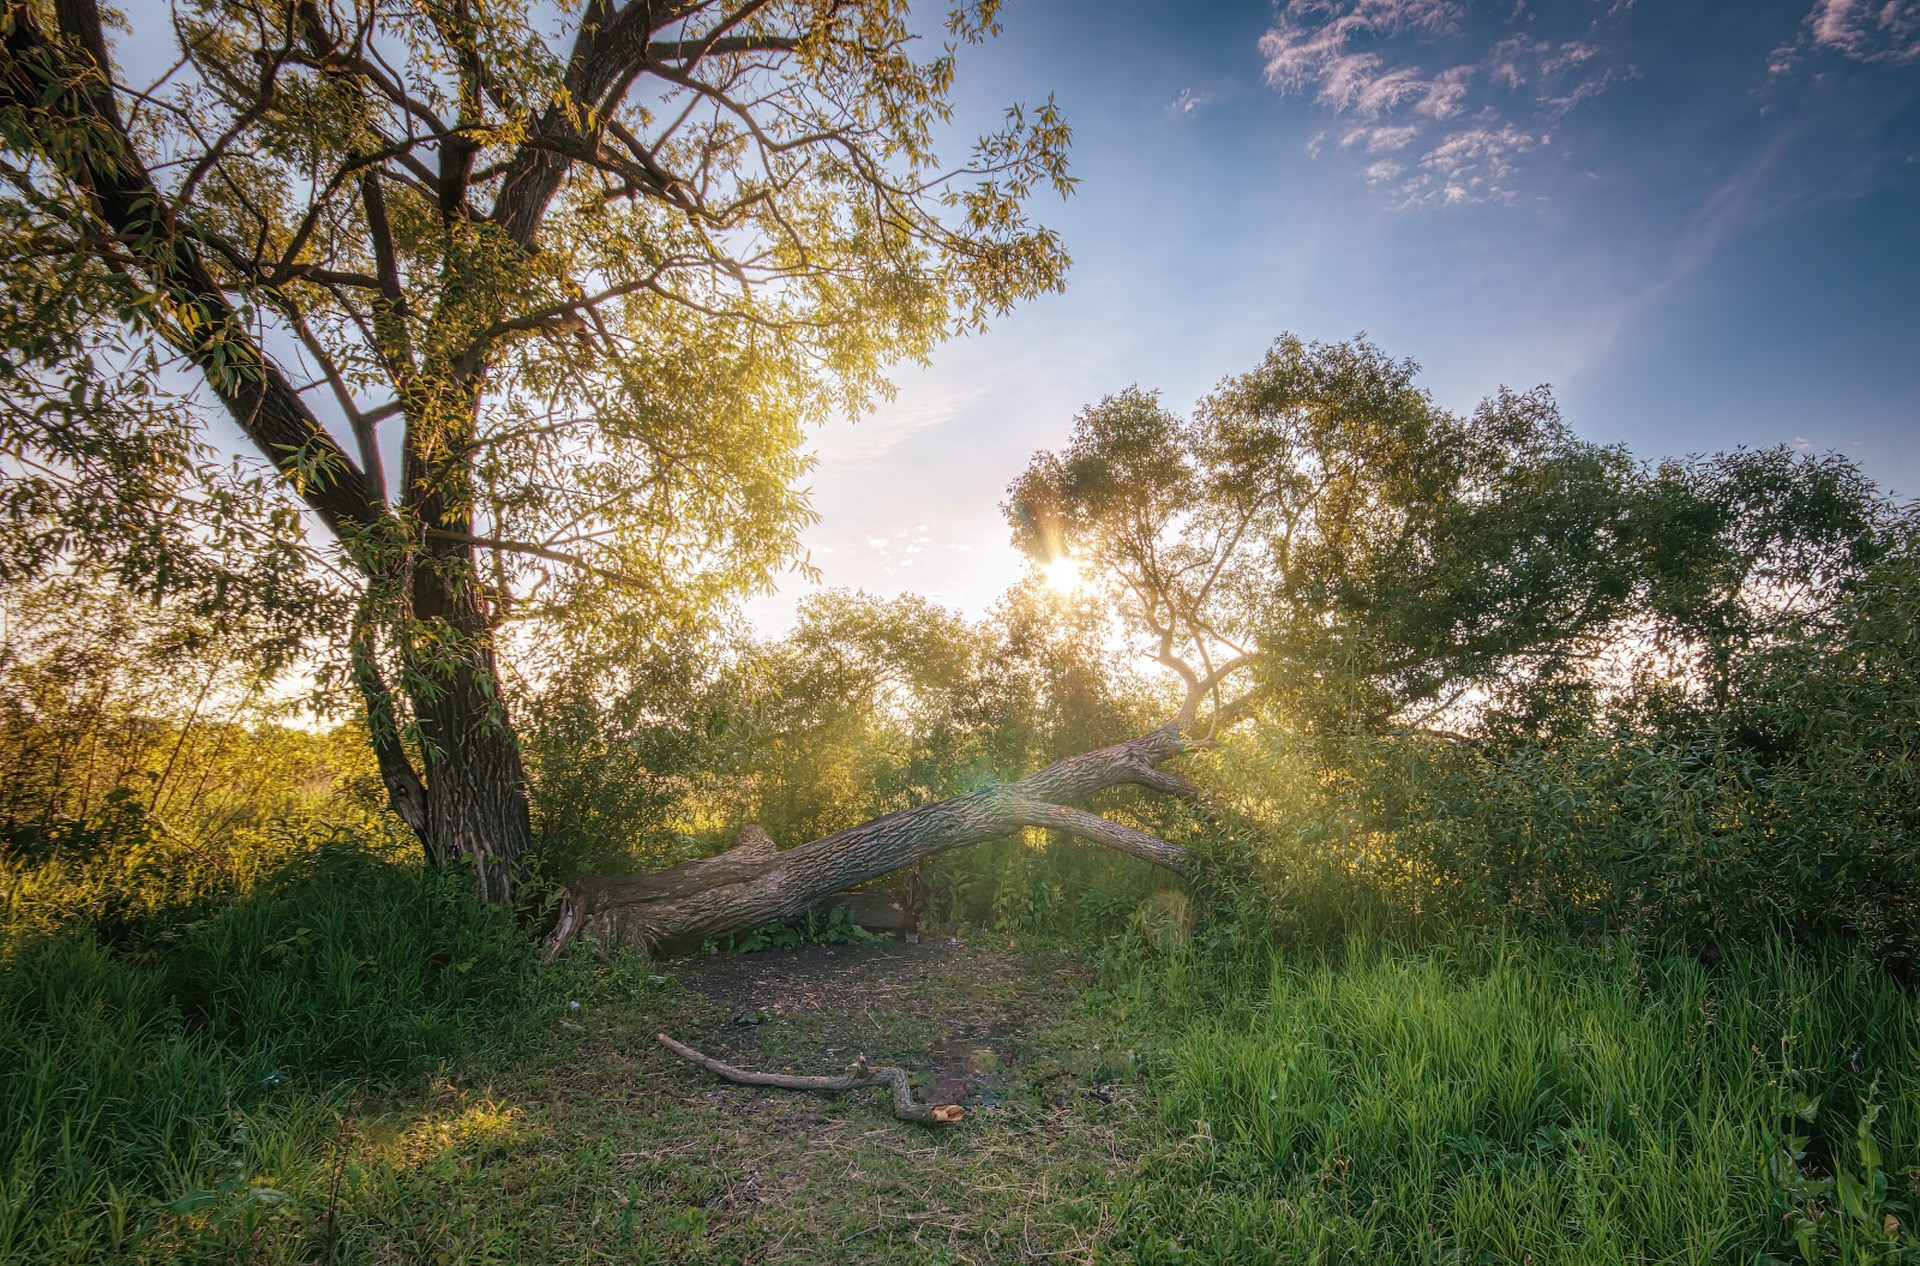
531,327
1748,550
1320,540
874,705
1322,536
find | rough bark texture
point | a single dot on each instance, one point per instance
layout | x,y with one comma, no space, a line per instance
475,781
755,882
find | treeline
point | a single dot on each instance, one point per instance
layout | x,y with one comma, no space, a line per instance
1699,791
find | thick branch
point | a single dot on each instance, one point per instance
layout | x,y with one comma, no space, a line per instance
684,50
611,43
625,579
858,1077
63,86
1199,688
1115,835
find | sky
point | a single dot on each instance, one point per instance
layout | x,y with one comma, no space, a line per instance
1698,221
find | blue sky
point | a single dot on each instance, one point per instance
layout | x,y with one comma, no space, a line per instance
1700,222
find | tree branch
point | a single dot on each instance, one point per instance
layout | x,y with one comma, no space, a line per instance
71,84
627,579
858,1077
1115,835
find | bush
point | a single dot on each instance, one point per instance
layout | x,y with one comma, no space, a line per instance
1790,808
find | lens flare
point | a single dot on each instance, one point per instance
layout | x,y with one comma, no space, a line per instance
1062,575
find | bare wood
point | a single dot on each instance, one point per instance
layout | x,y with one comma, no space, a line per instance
857,1077
755,883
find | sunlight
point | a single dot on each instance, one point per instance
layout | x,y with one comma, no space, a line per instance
1063,576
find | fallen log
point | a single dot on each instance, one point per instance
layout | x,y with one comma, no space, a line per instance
756,882
868,911
857,1077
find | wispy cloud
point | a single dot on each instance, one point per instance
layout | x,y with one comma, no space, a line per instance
1187,102
1867,30
1410,77
1475,164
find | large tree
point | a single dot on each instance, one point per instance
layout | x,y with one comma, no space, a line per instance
530,320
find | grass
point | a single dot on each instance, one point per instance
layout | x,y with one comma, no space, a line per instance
173,1096
1504,1102
352,1063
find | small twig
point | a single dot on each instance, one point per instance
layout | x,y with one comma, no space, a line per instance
858,1077
340,1146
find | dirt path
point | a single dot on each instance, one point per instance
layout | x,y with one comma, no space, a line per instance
965,1018
609,1148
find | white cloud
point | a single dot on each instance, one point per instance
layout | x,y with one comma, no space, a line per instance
1385,140
1187,102
1443,93
1403,70
1867,30
1474,165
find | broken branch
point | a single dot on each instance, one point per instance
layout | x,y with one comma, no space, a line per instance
858,1077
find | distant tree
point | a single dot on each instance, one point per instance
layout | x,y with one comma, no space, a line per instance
1746,550
581,296
1322,536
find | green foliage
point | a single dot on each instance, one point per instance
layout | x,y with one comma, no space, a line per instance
347,966
599,279
614,758
1323,521
1499,673
834,928
868,707
143,777
186,1093
1748,550
1491,1100
1789,811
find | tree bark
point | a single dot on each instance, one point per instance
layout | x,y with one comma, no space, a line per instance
756,882
476,783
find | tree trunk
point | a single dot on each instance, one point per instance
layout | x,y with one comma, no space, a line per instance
476,784
755,882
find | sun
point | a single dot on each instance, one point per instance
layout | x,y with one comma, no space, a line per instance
1062,575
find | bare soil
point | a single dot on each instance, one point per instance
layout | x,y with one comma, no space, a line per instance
963,1018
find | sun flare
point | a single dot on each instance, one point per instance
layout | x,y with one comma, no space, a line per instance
1063,576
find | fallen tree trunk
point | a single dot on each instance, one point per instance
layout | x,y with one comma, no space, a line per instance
755,882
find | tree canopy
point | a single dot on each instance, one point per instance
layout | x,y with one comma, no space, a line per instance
1322,537
1320,524
531,320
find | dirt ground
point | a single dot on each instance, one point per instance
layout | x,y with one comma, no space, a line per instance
604,1146
963,1019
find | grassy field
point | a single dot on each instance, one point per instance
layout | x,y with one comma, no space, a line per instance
250,1095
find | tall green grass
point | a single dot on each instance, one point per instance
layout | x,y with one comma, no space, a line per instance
179,1102
1494,1101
